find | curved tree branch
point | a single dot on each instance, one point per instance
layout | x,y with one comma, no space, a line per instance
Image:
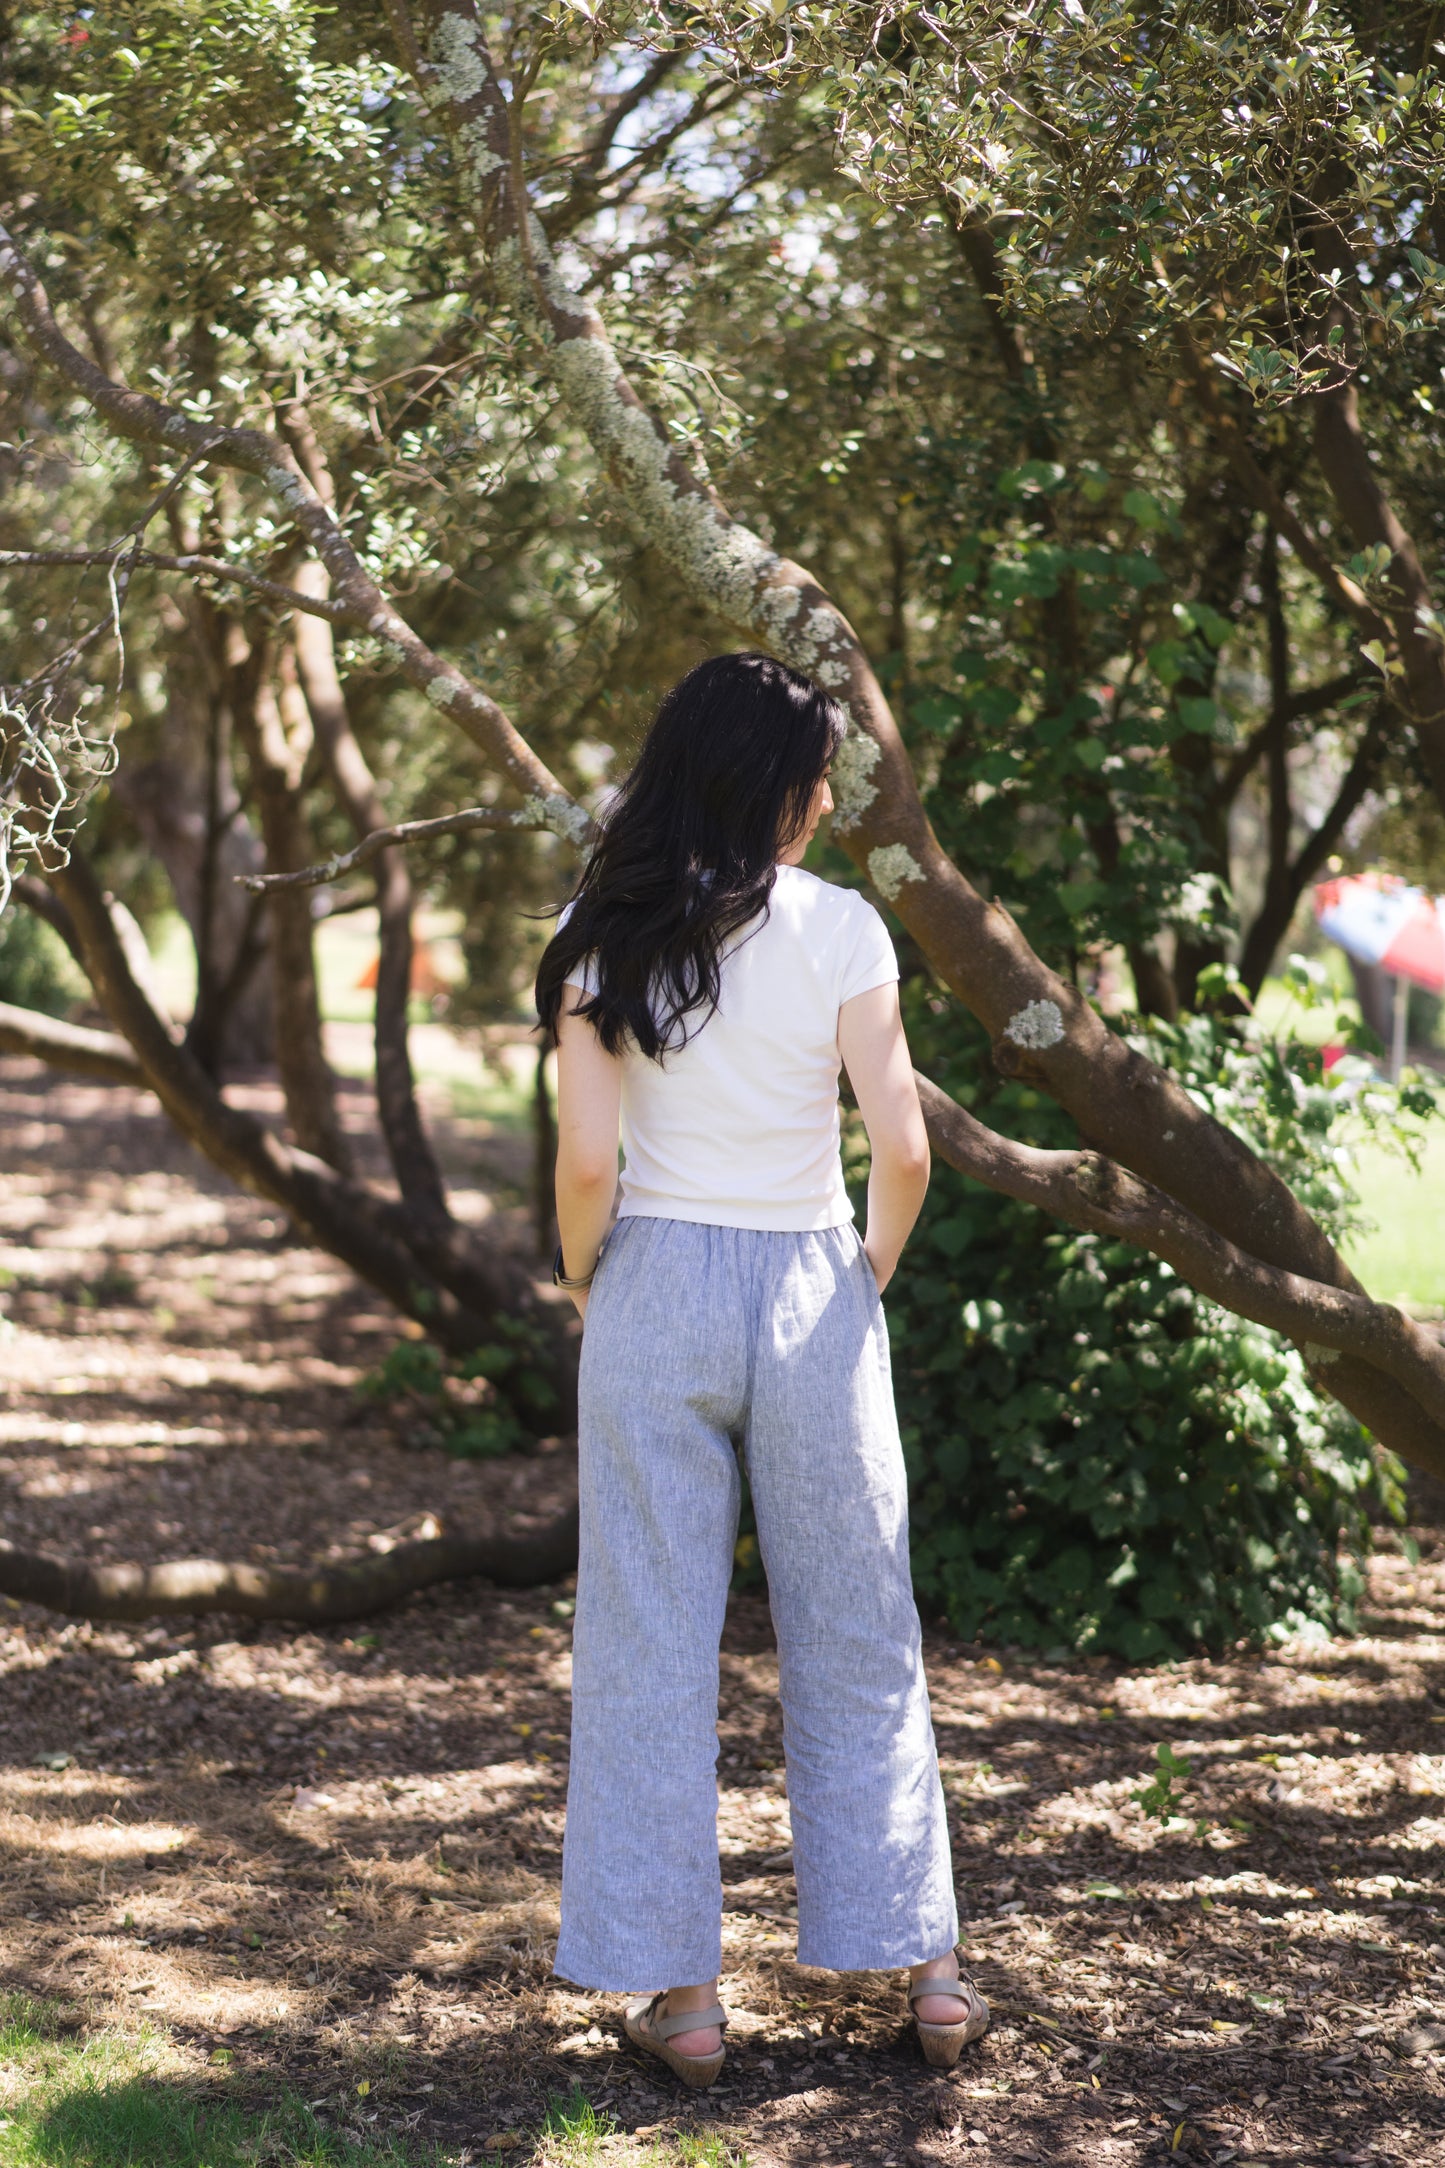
100,1054
29,889
1088,1191
319,688
141,419
317,1595
363,1229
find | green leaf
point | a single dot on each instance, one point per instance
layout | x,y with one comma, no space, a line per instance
938,712
1146,511
1080,896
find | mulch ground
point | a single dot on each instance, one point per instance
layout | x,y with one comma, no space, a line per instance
330,1859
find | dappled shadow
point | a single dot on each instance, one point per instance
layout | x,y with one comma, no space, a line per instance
397,1916
331,1858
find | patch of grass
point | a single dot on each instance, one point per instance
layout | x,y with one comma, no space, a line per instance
574,2128
1403,1258
107,2100
574,2135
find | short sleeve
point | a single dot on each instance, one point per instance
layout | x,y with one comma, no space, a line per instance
584,972
870,959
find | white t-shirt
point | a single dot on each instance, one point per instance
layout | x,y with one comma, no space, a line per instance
740,1127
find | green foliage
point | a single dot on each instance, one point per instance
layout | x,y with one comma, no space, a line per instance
475,1407
1100,1459
1306,1122
1052,731
1216,165
1158,1798
35,970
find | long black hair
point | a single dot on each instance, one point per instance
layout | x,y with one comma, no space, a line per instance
689,849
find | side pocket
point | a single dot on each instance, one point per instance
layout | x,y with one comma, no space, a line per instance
867,1264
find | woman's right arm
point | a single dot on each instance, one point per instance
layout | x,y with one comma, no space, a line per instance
589,1102
875,1055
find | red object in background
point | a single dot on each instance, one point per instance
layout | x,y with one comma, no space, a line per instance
426,980
1382,920
1330,1055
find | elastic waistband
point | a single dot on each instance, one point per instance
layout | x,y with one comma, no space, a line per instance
683,1230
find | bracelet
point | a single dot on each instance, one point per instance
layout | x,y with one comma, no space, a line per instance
559,1275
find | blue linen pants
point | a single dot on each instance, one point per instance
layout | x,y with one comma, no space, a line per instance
702,1341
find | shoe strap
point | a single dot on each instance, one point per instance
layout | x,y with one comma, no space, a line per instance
960,1990
667,2028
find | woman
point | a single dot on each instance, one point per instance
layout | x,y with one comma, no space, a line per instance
702,988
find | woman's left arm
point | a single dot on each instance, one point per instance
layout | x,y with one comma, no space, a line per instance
589,1102
875,1055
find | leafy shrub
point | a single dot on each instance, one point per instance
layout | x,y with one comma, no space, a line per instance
476,1408
35,971
1099,1459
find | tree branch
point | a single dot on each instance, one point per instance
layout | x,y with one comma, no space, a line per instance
1089,1191
1356,781
98,1054
1262,494
976,246
1309,700
1344,460
308,1595
141,419
211,568
623,182
594,154
379,839
275,766
29,889
342,1215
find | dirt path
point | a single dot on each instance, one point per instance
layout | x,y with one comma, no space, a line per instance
333,1857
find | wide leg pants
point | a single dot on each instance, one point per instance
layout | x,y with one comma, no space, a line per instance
701,1341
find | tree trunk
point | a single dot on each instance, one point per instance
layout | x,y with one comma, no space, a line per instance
276,765
409,1147
203,848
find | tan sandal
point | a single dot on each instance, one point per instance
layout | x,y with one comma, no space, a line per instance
648,2026
943,2044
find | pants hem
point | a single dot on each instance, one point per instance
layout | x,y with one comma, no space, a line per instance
598,1978
895,1956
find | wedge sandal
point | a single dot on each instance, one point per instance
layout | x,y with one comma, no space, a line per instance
943,2044
648,2026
